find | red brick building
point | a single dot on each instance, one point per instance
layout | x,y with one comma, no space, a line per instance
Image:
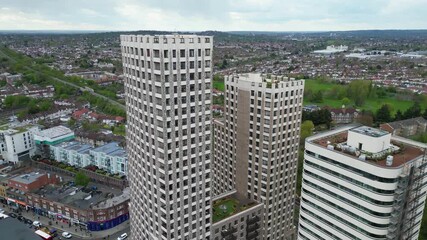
32,181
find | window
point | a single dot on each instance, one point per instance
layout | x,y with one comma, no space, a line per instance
207,52
182,53
191,52
182,40
207,40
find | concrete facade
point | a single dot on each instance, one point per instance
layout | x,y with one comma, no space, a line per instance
260,145
168,102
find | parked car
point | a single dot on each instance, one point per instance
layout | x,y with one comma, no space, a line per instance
37,224
66,235
28,221
13,215
21,218
123,236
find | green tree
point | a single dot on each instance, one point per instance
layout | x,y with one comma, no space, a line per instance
398,116
345,101
359,91
317,97
413,111
306,129
81,179
383,114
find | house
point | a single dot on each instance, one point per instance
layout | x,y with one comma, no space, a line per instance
405,128
343,115
79,113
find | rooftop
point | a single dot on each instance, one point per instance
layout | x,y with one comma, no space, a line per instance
55,132
259,78
229,205
111,149
83,198
28,178
368,131
76,146
402,150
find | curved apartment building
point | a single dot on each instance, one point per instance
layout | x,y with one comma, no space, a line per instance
362,183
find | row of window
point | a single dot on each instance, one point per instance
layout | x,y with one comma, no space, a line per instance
165,39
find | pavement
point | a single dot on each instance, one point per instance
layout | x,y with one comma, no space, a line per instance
77,233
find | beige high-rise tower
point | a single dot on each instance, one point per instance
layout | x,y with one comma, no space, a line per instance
256,146
167,83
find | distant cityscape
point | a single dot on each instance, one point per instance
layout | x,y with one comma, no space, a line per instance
214,135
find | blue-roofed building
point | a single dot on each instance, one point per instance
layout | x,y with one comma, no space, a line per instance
110,157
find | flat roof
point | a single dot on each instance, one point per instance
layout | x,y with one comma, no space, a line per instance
406,150
76,146
368,131
11,228
229,205
111,149
28,178
83,198
55,132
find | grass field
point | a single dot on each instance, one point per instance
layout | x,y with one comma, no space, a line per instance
218,85
370,104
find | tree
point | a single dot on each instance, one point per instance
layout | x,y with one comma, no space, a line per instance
366,118
81,179
383,114
398,116
306,129
359,91
345,101
317,97
413,111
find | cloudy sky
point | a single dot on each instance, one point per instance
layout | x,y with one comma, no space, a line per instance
222,15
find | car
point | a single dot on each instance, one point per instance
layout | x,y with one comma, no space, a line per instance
28,221
21,218
13,215
37,224
123,236
66,235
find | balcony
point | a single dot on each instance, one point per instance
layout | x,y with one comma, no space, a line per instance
253,220
252,235
228,232
252,227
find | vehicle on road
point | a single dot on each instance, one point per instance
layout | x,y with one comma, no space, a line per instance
123,236
37,224
43,235
66,235
21,218
13,215
28,221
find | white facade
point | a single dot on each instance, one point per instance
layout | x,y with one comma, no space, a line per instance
110,157
17,143
345,196
256,146
54,135
167,84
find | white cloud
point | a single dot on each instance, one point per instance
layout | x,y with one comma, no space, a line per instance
222,15
12,19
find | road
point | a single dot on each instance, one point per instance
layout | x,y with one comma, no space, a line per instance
70,84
